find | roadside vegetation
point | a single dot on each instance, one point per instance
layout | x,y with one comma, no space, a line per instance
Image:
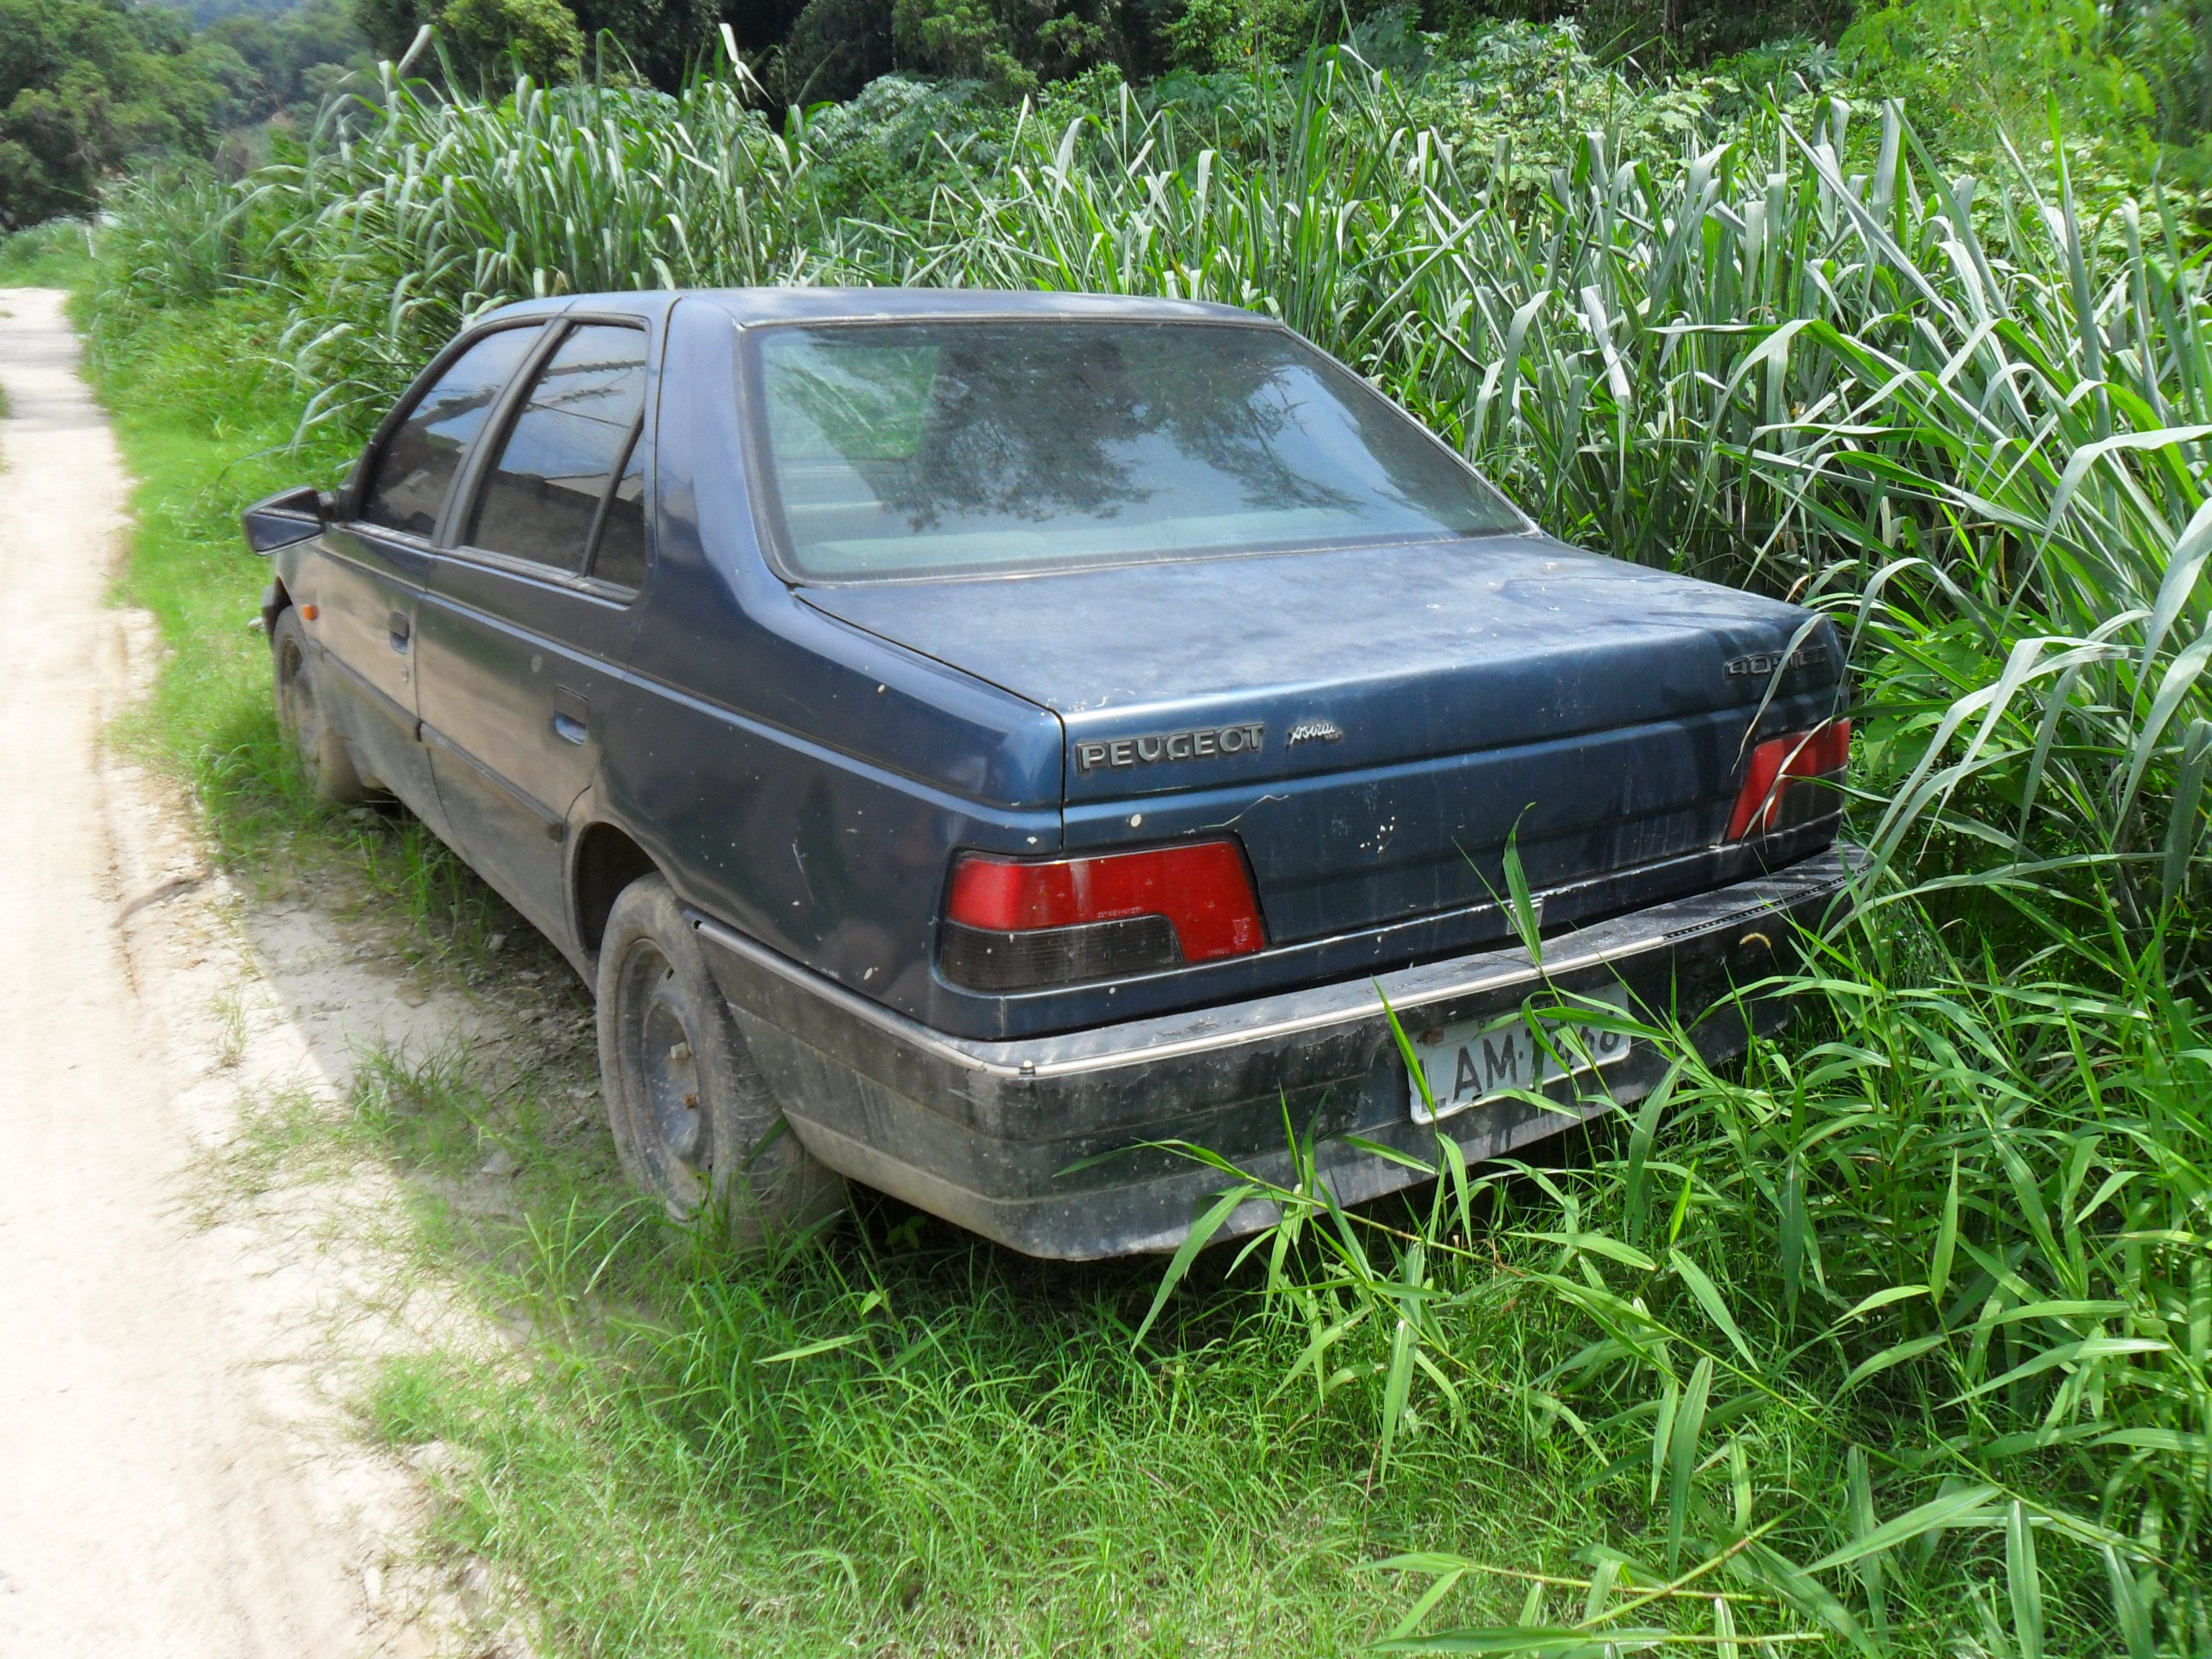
1895,1338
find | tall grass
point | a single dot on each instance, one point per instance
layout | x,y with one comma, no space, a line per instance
1979,432
1902,1330
1971,417
1853,1326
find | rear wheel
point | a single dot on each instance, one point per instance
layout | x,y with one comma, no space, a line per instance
693,1119
305,718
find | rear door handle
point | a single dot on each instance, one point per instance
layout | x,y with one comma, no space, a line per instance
402,630
572,714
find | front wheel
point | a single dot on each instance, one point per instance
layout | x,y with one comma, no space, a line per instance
693,1120
305,720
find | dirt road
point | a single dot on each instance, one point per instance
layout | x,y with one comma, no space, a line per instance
173,1478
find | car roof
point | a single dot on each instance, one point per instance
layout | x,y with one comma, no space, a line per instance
776,305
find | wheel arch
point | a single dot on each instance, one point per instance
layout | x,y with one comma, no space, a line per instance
606,860
275,602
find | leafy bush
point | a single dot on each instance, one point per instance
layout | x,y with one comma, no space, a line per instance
1226,34
2024,59
482,41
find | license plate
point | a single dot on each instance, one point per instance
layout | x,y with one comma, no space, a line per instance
1475,1060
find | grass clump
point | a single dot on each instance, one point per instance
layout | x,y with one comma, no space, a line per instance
1852,1328
55,254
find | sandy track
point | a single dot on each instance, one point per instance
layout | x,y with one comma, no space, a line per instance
175,1479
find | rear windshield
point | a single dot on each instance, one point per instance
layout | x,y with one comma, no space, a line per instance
940,448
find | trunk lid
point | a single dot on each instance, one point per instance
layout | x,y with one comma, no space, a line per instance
1373,724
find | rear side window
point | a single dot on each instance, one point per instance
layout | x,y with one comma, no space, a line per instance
565,468
415,473
621,555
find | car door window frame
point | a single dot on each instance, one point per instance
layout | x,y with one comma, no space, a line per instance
355,500
474,476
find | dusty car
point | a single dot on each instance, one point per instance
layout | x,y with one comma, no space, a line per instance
985,732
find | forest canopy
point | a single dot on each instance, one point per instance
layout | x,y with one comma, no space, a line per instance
89,87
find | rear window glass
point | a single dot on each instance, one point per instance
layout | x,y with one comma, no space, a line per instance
543,499
941,448
416,471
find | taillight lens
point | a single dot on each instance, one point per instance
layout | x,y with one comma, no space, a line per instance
1014,924
1772,796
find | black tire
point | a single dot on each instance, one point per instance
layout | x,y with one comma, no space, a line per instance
305,718
693,1120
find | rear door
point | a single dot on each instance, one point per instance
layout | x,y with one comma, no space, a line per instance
530,611
368,589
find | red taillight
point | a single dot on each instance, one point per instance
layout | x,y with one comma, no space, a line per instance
1771,799
1012,923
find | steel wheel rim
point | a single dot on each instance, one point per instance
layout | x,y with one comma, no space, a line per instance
666,1111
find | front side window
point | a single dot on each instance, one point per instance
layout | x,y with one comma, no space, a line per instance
415,473
937,448
565,465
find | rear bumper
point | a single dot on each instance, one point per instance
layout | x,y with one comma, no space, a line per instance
984,1132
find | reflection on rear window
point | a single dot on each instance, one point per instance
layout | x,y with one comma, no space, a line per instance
943,447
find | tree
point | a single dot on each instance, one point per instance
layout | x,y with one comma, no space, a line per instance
834,48
539,35
295,59
87,85
665,38
661,38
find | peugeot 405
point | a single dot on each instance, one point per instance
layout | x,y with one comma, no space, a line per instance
961,737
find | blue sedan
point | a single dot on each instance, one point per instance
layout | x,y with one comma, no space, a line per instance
962,735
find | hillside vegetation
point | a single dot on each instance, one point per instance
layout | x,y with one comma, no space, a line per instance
1895,1338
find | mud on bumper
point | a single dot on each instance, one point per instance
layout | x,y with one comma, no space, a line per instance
984,1133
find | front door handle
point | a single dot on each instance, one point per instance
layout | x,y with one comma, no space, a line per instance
567,728
402,630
